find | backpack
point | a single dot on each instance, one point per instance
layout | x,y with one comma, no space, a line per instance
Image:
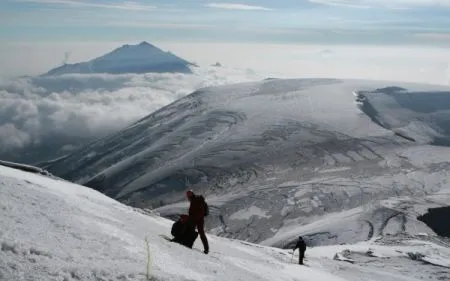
205,206
177,229
301,245
183,234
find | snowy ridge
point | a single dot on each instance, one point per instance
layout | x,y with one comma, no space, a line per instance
26,168
54,230
273,157
422,116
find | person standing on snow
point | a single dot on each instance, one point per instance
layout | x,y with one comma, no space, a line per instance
198,209
301,245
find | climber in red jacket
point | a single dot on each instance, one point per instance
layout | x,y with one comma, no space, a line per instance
198,209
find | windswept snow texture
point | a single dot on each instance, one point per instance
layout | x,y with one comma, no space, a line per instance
54,230
141,58
290,156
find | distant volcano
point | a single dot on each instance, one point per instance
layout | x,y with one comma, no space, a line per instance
141,58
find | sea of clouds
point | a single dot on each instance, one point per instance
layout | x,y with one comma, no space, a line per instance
81,107
68,111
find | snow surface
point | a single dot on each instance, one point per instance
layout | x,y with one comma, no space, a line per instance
248,213
420,115
54,230
300,151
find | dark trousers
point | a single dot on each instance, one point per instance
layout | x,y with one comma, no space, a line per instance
200,224
201,231
301,256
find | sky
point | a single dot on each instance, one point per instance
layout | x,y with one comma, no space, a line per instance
37,35
395,40
263,21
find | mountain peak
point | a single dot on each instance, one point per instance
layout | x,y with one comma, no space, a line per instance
145,43
141,58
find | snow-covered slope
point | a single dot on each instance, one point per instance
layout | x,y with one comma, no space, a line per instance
422,116
55,230
271,157
141,58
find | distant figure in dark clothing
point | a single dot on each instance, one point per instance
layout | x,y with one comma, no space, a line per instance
197,212
301,245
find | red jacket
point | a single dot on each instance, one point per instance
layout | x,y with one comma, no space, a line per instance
196,209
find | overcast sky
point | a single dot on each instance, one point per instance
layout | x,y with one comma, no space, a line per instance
281,21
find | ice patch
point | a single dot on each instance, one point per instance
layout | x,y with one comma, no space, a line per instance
246,214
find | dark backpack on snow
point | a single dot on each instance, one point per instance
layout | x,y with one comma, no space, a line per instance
184,233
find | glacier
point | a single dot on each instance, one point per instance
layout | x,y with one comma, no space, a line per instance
291,156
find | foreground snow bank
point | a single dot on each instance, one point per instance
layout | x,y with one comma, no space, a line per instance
55,230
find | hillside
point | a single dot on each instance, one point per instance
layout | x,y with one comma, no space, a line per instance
54,230
275,156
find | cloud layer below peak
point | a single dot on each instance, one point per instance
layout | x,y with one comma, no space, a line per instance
71,109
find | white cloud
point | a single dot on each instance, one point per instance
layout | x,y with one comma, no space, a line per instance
71,108
148,24
397,4
433,36
11,137
393,63
447,73
346,3
125,5
236,6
